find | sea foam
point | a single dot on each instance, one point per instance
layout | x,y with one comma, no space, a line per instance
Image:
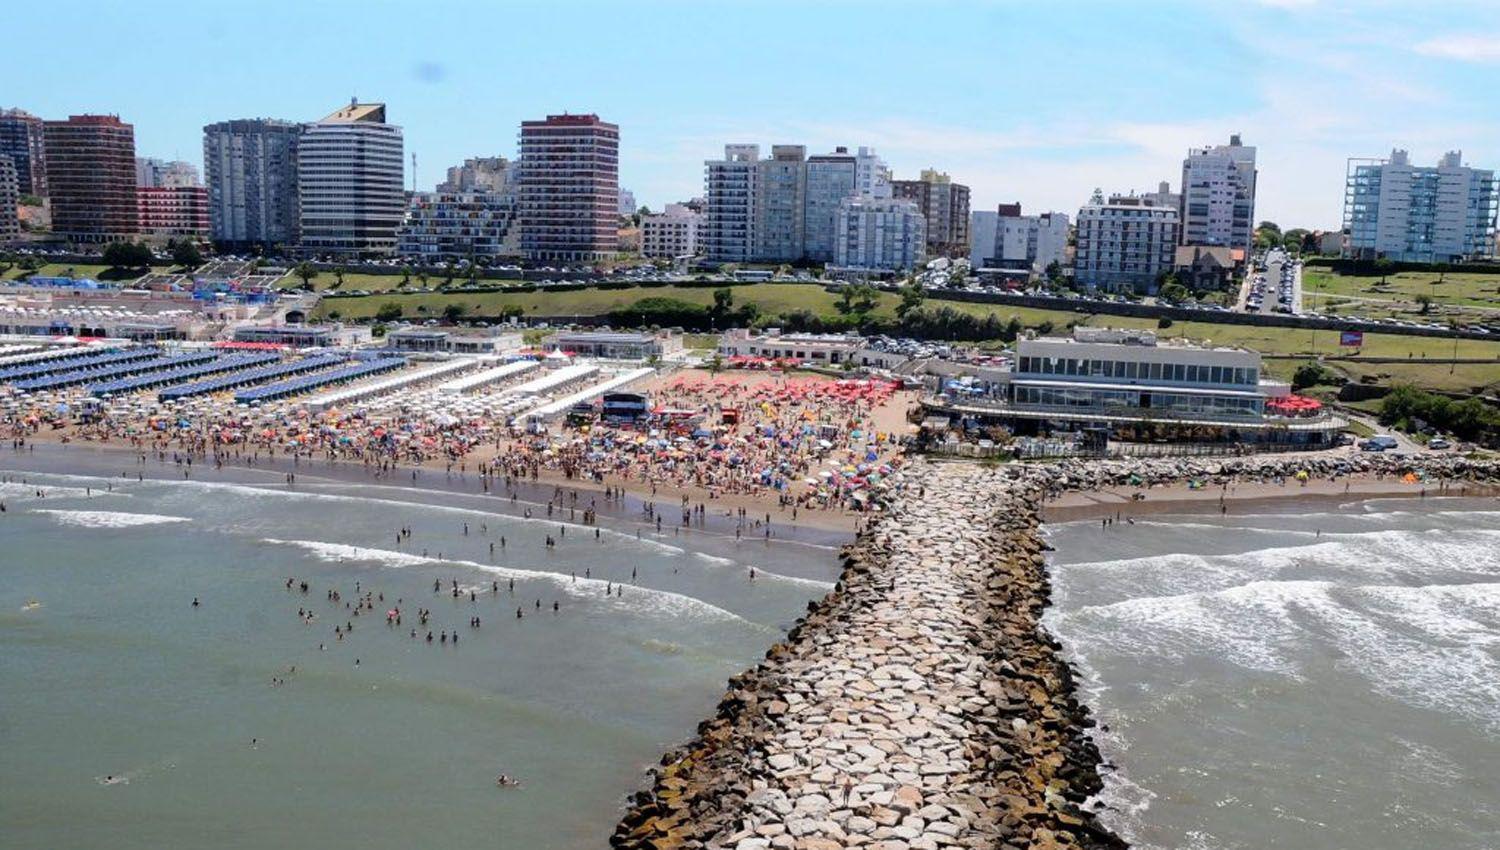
109,519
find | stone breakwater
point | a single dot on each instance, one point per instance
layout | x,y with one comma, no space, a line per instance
918,706
1064,476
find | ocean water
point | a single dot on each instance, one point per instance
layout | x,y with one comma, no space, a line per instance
131,718
1318,678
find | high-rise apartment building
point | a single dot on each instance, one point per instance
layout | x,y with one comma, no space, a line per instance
152,173
783,209
23,139
569,188
349,183
1005,239
831,179
250,171
1218,196
780,205
945,204
91,178
670,234
729,188
627,205
173,211
879,234
1124,243
480,174
1421,214
10,200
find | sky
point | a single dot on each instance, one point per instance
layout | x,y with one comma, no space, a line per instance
1036,102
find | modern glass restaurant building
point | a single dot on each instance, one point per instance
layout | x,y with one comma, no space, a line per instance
1125,381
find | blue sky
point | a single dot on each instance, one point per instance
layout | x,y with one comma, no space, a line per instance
1038,102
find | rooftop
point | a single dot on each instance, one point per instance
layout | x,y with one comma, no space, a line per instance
373,113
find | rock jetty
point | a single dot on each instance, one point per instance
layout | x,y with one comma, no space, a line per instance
917,706
920,705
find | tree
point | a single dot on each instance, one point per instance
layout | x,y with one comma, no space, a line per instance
187,255
422,277
127,255
723,303
7,262
338,277
1425,303
1314,374
729,269
715,363
856,299
405,275
1293,239
912,297
783,270
390,311
1171,290
307,272
1054,273
453,311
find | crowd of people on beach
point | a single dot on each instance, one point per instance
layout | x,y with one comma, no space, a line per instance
798,443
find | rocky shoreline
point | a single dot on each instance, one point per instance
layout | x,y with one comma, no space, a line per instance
920,704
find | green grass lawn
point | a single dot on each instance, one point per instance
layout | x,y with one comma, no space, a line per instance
783,298
376,282
1399,292
777,298
79,270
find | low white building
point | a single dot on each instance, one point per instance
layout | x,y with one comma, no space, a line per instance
418,340
828,349
670,234
614,345
879,234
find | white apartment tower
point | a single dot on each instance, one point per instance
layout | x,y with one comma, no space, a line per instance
728,231
1420,214
1218,196
1124,243
350,171
879,234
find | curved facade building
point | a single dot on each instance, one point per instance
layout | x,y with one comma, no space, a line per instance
349,183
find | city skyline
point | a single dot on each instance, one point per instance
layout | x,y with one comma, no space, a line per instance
1041,120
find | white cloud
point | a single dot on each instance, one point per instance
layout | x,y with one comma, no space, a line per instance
1465,48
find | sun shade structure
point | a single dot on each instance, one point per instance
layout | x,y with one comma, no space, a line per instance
251,376
114,370
156,379
306,383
